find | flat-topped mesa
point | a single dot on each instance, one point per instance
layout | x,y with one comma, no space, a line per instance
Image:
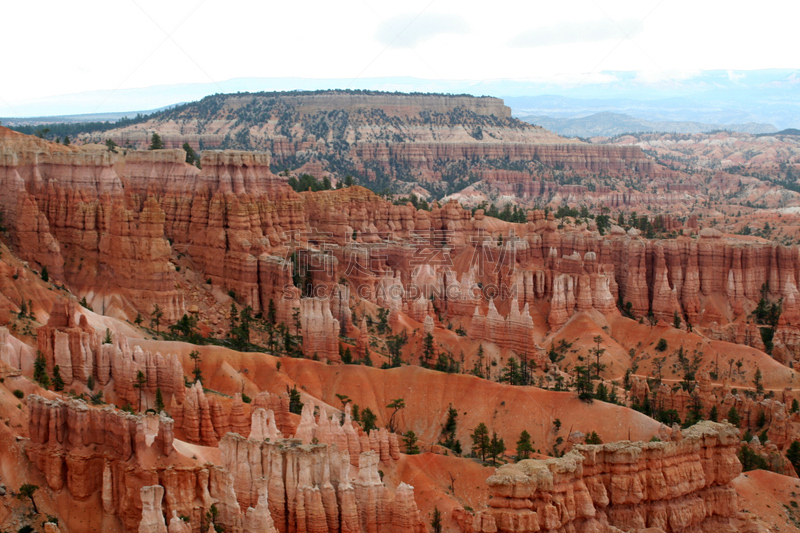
675,486
307,103
392,104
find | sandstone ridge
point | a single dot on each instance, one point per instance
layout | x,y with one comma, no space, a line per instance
668,486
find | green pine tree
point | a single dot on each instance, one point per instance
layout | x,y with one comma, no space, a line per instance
194,355
733,416
410,442
396,404
524,446
159,401
191,156
141,381
758,381
368,420
480,441
593,438
436,521
448,437
427,351
156,143
496,447
793,455
58,382
40,370
295,401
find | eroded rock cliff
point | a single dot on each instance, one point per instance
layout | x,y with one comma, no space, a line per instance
681,485
131,465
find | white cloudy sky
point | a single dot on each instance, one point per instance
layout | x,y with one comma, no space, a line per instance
56,47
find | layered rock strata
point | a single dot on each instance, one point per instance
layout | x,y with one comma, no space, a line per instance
114,219
67,341
130,464
782,425
99,452
309,489
201,420
682,485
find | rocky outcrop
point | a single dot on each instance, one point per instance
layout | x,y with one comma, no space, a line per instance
201,419
90,234
129,463
29,227
308,487
514,332
528,186
196,418
152,515
89,451
67,341
673,486
320,330
756,413
9,358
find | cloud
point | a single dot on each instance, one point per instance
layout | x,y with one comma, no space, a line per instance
406,31
736,76
588,31
650,76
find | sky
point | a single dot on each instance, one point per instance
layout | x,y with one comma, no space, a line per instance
60,48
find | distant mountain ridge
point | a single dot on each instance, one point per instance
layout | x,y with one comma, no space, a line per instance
609,124
434,145
787,131
83,118
767,96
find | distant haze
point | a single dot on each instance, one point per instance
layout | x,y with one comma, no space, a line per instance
716,98
608,124
55,48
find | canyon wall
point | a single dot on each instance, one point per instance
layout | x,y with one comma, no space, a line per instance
756,413
530,187
114,225
130,465
67,341
582,159
99,453
680,485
